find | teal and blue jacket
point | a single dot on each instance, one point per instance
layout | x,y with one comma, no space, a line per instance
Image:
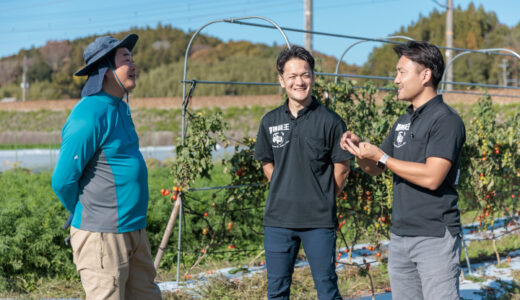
101,177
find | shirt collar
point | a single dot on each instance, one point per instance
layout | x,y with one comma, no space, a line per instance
312,106
425,107
108,98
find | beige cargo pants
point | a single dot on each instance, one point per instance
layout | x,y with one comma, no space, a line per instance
114,265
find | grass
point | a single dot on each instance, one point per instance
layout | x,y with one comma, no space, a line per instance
351,282
502,110
40,120
252,287
470,216
28,146
479,251
53,288
503,265
474,278
243,121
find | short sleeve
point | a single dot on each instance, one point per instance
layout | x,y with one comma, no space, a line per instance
387,146
447,136
263,149
338,154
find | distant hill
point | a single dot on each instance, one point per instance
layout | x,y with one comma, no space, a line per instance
159,55
474,28
160,51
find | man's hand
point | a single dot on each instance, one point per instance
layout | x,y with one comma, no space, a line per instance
362,150
366,153
268,168
369,151
349,136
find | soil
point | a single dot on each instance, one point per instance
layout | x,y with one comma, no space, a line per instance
159,103
230,101
159,137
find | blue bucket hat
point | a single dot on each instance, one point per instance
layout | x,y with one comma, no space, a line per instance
97,65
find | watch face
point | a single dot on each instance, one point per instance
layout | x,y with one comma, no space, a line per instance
381,165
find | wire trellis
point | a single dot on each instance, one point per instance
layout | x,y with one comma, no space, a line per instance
273,25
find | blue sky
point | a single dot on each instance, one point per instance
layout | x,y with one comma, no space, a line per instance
27,23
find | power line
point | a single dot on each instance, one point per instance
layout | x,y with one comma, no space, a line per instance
108,11
40,4
350,4
159,14
346,36
156,15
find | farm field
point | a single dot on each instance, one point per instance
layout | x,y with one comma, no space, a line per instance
157,103
34,124
222,225
200,157
155,126
229,101
29,201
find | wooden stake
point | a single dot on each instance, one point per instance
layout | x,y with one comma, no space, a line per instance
167,232
495,248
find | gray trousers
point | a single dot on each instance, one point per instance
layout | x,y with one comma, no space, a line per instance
422,267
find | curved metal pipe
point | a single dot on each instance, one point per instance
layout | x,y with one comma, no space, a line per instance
183,129
363,41
487,51
230,20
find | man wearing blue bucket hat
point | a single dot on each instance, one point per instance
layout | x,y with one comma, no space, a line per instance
101,179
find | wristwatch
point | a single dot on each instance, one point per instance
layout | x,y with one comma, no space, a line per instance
381,163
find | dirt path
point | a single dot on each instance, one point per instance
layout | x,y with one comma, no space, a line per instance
227,101
159,103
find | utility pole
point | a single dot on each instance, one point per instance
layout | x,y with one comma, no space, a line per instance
307,5
515,73
449,42
24,85
504,71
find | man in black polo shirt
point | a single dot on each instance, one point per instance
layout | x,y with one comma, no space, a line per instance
423,151
298,145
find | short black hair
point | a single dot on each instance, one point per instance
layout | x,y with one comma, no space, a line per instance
294,52
425,54
111,57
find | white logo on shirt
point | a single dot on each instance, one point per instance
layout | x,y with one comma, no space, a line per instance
279,128
278,135
401,133
401,127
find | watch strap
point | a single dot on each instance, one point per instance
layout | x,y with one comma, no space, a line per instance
381,163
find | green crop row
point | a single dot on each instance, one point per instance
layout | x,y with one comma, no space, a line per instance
226,223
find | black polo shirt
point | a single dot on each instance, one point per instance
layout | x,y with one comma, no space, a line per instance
303,150
432,130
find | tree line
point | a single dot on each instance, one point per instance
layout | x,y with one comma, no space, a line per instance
473,28
161,50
